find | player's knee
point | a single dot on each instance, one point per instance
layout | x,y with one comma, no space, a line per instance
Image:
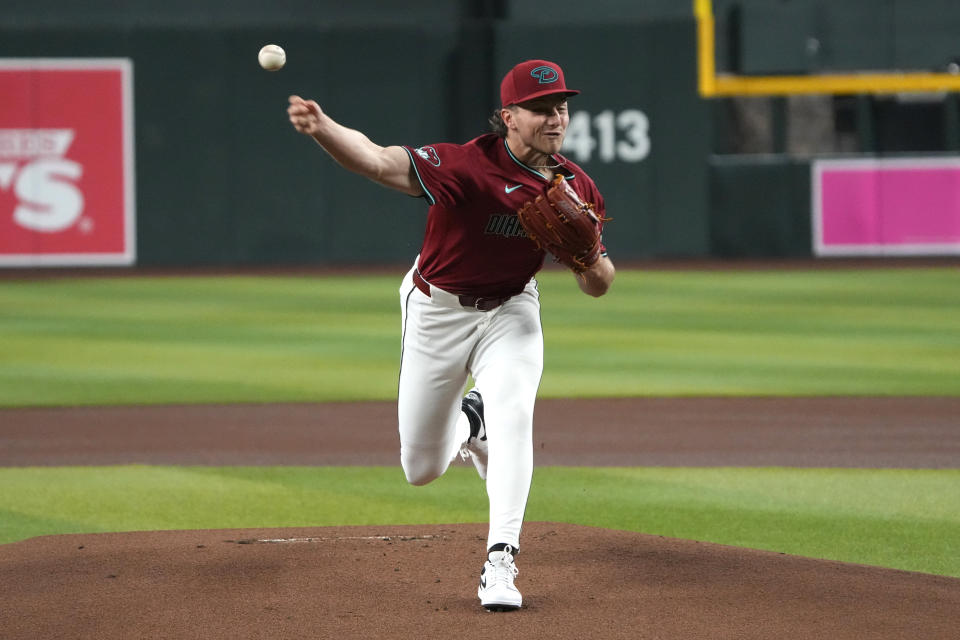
419,474
521,414
418,479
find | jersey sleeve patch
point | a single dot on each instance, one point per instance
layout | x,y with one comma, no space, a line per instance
448,182
430,199
429,154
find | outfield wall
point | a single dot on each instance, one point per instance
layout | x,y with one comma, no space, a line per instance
222,178
217,176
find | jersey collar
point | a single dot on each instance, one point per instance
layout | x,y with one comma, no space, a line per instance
566,173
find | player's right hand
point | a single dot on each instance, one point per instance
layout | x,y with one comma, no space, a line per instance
304,115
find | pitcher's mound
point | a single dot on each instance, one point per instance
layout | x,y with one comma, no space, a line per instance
420,582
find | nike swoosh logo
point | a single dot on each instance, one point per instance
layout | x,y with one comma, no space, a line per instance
511,189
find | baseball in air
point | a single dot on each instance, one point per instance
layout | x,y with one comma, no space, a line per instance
272,57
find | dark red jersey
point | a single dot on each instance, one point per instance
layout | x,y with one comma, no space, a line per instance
474,243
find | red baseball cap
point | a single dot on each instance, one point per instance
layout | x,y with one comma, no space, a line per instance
532,79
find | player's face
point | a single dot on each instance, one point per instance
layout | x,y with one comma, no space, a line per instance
542,122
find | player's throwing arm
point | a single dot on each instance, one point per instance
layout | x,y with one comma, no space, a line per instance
389,166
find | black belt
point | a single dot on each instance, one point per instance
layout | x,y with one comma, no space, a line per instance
471,302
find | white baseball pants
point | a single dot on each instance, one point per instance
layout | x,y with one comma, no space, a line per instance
444,342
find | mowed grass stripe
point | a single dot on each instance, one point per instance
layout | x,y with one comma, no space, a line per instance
905,519
330,338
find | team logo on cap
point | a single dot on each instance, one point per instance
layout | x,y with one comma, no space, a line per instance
545,75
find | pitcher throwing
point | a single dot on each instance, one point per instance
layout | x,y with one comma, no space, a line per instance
470,304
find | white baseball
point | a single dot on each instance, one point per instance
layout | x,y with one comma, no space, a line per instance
272,57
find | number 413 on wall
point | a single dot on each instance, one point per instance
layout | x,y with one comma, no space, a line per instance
623,136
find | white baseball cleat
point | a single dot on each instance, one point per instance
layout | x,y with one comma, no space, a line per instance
497,591
475,446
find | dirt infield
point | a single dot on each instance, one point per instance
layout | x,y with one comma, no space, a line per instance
419,581
797,432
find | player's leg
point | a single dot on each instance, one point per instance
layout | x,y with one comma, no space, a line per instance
436,344
508,364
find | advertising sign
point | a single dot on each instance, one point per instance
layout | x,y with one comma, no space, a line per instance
66,162
895,206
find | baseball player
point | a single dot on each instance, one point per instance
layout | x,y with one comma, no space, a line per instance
470,304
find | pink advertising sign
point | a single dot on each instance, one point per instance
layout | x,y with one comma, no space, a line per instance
895,206
66,162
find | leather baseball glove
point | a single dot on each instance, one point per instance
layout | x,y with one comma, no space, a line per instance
563,225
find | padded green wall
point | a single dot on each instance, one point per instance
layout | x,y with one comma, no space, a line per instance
223,179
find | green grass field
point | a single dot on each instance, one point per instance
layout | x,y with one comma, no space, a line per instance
906,519
284,339
663,333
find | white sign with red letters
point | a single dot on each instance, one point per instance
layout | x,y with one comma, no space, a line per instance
66,162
